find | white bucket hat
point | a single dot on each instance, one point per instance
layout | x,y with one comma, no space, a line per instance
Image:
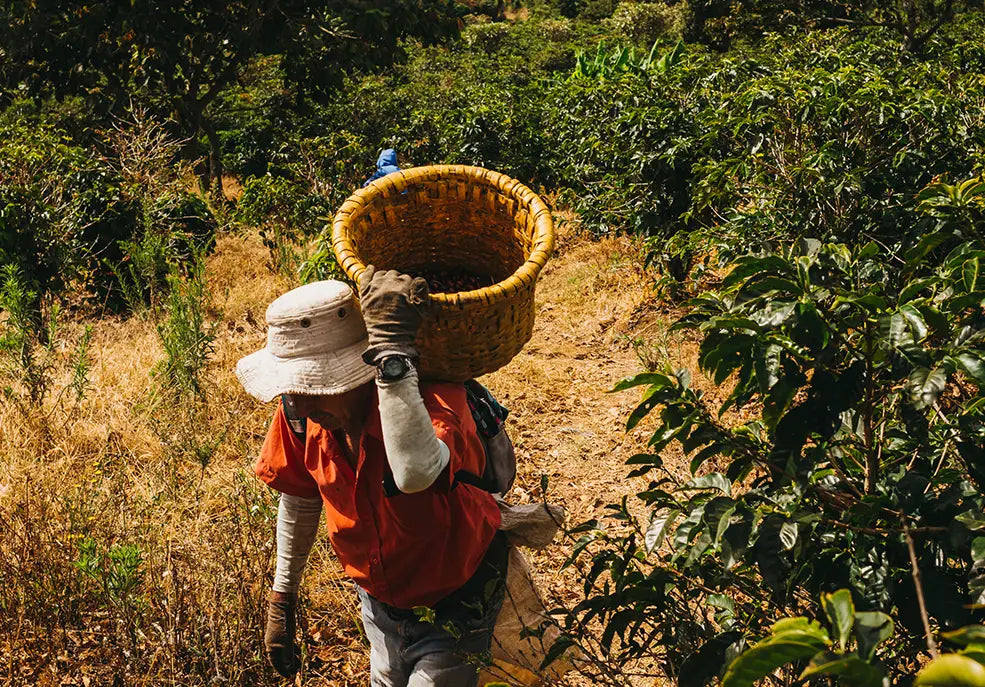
315,340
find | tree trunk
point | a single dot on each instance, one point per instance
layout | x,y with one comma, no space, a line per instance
215,158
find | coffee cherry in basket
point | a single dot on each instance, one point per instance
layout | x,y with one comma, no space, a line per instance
455,282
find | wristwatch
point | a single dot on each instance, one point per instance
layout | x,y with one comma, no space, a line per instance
393,367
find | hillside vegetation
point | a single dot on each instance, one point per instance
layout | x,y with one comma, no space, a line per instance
772,251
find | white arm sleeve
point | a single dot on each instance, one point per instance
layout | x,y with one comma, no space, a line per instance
297,525
415,453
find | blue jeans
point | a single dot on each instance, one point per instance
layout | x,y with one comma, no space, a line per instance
406,650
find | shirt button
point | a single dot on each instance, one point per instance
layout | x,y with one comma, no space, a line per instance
374,560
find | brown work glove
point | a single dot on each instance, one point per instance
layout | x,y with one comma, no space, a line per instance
393,305
278,639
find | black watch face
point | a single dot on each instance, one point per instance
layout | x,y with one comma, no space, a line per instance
394,367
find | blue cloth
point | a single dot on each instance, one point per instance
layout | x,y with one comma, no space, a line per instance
387,164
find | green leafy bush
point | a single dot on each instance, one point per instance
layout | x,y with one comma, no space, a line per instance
287,216
860,372
187,333
31,336
62,209
186,221
626,140
646,22
831,138
846,650
174,224
178,227
251,116
486,36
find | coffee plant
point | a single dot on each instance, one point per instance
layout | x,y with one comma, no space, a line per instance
844,649
62,210
855,460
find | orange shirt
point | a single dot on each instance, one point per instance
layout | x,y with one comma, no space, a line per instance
408,549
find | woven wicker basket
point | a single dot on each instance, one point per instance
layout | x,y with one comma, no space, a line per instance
454,218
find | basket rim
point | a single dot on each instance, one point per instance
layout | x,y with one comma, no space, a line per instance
397,182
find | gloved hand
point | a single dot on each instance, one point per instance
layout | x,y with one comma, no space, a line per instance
393,305
278,639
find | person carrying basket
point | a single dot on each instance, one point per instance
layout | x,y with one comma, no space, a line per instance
385,164
357,436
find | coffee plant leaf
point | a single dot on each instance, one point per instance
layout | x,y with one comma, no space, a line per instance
660,525
840,610
560,645
655,379
774,314
924,386
952,670
718,515
972,634
872,628
849,670
702,666
975,652
976,583
788,535
972,520
648,403
714,480
973,364
793,639
915,288
915,321
969,274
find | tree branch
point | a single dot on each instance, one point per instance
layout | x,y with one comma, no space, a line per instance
931,642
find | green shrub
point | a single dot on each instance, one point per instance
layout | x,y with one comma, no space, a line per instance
174,224
555,30
626,145
177,228
115,570
486,37
831,137
287,215
252,116
858,454
185,220
143,273
568,8
30,340
645,22
848,652
62,209
187,333
274,200
596,10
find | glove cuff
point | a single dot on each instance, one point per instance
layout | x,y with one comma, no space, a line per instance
282,597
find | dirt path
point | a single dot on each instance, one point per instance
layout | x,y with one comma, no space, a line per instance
593,304
564,423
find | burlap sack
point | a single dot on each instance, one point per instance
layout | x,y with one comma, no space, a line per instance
516,659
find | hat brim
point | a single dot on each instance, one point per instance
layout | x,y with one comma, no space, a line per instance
265,376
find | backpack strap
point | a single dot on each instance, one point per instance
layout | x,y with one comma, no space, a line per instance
389,484
488,413
466,477
298,425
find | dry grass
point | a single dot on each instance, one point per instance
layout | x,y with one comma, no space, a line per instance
119,470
